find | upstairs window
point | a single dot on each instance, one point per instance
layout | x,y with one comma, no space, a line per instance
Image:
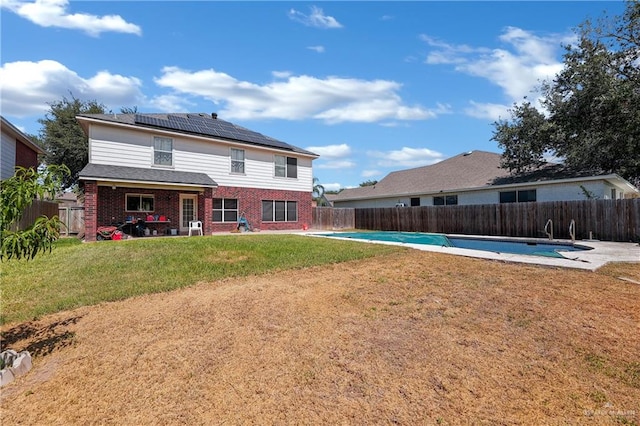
237,161
162,151
286,166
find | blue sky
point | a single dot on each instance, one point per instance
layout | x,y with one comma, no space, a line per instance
372,87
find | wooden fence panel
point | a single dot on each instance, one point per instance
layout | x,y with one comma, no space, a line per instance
330,218
34,211
607,220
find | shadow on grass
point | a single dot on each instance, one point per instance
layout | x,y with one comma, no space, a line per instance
40,340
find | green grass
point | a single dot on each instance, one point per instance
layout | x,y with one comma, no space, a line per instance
76,274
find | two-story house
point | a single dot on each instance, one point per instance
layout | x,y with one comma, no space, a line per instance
16,150
175,168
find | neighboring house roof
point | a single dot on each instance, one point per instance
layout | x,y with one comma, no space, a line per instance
138,175
12,130
464,172
200,124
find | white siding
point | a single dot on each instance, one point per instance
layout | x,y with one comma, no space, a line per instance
128,147
598,189
7,156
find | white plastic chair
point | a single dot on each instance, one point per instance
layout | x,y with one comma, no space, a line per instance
195,225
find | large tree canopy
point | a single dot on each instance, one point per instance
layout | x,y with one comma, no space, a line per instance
63,138
592,107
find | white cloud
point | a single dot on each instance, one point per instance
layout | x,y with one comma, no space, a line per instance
406,157
337,164
53,13
331,151
518,68
332,99
370,173
29,87
281,74
319,49
317,18
488,111
331,186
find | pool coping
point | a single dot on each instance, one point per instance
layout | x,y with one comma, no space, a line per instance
601,253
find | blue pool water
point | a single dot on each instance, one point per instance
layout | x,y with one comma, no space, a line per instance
497,246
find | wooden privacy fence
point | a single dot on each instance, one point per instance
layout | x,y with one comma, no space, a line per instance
330,218
35,210
607,220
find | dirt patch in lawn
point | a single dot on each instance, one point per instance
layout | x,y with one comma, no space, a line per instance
409,338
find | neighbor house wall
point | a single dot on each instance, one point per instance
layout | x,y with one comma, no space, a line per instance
569,191
7,156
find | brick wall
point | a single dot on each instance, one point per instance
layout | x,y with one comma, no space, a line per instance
250,202
105,206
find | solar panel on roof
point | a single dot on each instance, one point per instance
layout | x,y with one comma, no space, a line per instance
206,125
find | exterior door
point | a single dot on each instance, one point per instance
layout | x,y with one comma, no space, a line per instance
188,211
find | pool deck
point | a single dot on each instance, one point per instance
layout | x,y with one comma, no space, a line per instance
602,252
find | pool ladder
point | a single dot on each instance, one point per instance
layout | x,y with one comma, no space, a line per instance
548,229
572,230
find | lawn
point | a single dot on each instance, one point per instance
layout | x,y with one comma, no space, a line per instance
387,337
76,274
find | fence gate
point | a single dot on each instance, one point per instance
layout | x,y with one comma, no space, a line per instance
73,219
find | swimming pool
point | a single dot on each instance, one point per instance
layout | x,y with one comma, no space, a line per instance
526,247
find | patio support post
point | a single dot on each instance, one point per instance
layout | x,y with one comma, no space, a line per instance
90,210
207,217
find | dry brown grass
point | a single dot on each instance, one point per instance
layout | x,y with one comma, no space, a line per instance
410,338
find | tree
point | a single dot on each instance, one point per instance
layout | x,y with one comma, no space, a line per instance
63,138
369,182
592,117
318,192
16,195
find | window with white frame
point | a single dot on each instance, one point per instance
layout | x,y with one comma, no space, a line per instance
162,151
237,160
286,166
139,203
225,210
279,211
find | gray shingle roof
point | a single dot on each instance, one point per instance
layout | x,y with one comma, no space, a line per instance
469,170
198,124
106,172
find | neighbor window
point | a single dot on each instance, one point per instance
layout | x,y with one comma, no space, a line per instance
162,151
139,203
279,211
415,202
225,210
518,196
286,166
237,160
448,200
